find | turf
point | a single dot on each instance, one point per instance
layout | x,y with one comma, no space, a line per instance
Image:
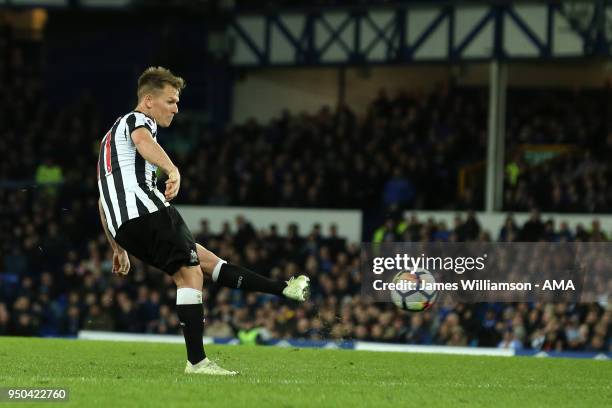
111,374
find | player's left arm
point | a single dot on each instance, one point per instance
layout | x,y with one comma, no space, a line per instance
121,260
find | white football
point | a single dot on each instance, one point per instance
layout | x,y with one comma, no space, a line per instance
419,299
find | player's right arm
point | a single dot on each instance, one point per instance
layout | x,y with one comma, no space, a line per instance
121,260
152,152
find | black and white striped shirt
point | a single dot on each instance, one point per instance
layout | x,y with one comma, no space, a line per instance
126,181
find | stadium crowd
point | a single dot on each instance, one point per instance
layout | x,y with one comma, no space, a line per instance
405,152
76,290
330,159
574,127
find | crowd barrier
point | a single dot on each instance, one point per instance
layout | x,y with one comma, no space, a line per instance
349,345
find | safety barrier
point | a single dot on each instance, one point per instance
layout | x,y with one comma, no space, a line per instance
350,345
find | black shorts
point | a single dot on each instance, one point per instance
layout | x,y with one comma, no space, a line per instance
160,239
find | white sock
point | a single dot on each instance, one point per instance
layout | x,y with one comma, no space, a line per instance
217,269
188,296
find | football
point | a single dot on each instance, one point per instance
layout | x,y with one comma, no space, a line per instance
421,297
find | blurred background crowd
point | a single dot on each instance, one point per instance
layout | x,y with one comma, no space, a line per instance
59,283
406,153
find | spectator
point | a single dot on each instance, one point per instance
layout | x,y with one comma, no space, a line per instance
49,174
533,230
398,192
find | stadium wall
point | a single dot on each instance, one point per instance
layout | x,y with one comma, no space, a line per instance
307,90
347,345
349,222
493,222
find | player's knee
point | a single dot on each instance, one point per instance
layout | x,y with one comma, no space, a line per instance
208,266
208,260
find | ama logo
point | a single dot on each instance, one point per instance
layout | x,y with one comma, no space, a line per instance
558,285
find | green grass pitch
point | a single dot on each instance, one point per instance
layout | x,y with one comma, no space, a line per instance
117,374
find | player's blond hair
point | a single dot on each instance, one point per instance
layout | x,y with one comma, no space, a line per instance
153,79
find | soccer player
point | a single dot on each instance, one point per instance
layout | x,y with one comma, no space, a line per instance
138,219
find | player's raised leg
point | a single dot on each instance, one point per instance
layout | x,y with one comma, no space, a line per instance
237,277
189,281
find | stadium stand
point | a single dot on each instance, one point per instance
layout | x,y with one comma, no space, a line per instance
343,161
77,291
55,262
576,124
